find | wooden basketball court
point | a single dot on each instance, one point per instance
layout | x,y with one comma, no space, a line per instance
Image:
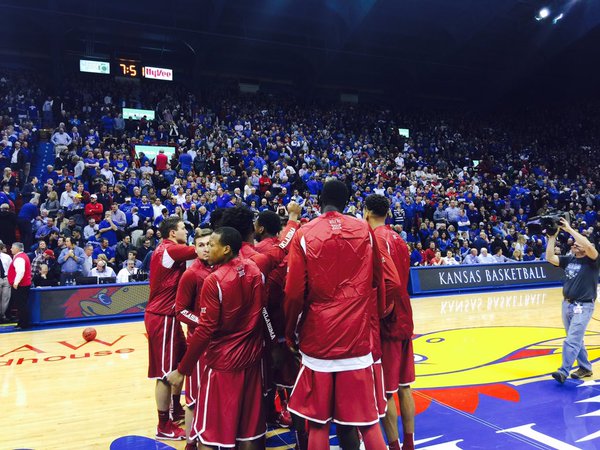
483,364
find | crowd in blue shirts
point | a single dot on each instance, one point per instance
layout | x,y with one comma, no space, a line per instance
459,183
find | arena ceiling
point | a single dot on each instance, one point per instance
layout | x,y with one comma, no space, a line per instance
438,48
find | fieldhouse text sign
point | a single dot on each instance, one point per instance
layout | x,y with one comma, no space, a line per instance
484,276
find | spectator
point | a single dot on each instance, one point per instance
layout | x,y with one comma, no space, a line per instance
132,256
105,250
128,270
51,205
484,257
71,260
529,256
61,141
5,262
102,270
437,260
449,259
108,230
122,250
94,210
8,224
66,198
44,278
500,258
471,257
44,231
88,260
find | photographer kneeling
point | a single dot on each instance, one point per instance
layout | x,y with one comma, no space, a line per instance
579,292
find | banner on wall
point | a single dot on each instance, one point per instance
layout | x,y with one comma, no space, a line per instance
95,301
486,276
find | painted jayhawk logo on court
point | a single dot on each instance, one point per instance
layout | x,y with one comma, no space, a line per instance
488,388
457,366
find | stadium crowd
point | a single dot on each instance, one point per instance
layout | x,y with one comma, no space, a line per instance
462,188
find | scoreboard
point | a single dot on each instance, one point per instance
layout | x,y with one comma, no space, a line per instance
126,68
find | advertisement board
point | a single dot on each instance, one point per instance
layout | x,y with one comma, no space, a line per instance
92,302
86,65
425,280
137,114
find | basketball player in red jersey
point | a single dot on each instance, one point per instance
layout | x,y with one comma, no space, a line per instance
187,307
267,227
333,270
230,337
166,343
396,329
242,219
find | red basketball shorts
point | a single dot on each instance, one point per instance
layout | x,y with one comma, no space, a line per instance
348,397
380,396
229,407
192,385
398,364
166,344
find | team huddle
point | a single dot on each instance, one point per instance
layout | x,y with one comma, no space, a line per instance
316,315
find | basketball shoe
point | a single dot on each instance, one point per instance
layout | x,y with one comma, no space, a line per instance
170,432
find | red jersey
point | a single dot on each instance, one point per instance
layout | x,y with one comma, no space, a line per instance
266,244
230,329
399,324
187,301
272,256
329,296
166,267
391,281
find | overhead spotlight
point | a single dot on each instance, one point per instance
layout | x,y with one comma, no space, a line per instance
558,18
543,14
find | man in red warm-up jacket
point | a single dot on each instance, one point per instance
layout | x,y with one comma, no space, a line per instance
329,297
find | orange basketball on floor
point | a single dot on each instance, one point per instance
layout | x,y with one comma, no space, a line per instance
89,334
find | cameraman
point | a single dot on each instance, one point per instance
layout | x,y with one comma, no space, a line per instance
579,292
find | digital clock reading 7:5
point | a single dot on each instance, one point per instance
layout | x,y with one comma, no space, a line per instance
129,70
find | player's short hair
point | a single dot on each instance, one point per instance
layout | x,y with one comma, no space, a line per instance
271,221
378,205
167,225
240,218
202,232
230,236
215,217
334,193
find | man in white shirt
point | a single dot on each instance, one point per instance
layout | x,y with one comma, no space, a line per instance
485,258
5,261
66,198
125,272
102,270
449,259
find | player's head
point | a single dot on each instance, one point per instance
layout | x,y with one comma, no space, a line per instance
377,206
240,218
201,239
334,194
215,218
173,228
267,224
225,243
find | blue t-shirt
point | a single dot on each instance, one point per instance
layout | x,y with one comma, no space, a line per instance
111,234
